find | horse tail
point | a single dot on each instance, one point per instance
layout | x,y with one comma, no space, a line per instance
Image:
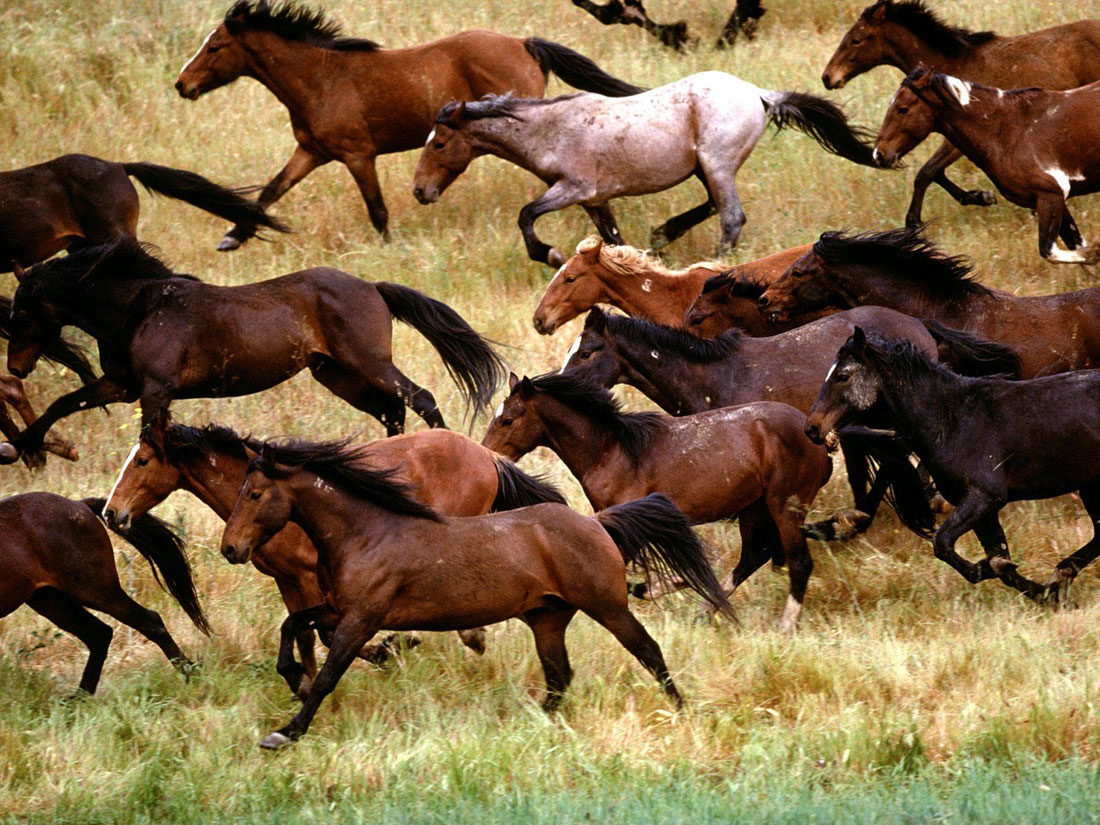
905,492
163,549
516,489
653,534
59,351
205,195
471,362
822,120
577,70
969,355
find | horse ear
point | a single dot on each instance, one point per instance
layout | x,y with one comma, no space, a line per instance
159,425
249,453
859,341
267,454
878,12
526,388
19,272
596,320
261,7
460,112
593,254
513,379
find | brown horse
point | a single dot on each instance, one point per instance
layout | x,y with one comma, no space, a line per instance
77,200
424,571
640,285
1040,148
58,560
751,462
452,474
903,270
905,34
350,100
164,336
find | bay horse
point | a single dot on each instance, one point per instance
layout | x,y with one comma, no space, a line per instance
1040,148
906,34
986,442
75,201
447,471
589,149
632,280
425,571
165,336
58,561
903,270
751,463
684,374
351,100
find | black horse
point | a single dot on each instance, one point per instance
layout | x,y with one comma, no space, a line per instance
986,442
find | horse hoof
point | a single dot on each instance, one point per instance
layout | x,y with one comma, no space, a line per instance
8,453
979,197
658,240
474,640
555,258
228,244
275,741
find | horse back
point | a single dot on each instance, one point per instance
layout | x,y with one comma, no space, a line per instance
1060,57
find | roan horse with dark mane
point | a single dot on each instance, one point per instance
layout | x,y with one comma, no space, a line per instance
903,270
165,336
905,34
350,100
382,552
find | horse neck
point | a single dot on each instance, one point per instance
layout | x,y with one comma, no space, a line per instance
214,479
907,52
583,445
870,285
103,311
296,73
669,380
512,140
922,405
982,128
657,296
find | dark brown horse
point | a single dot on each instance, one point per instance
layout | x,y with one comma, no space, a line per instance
350,100
903,270
751,462
57,559
1040,148
731,300
164,336
906,34
76,200
452,474
986,442
394,563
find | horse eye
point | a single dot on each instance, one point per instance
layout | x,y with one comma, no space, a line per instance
212,49
903,110
254,495
437,145
856,41
506,422
569,279
141,462
585,355
841,377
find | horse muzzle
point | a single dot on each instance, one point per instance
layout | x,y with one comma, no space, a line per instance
885,160
118,520
237,553
813,432
426,196
187,92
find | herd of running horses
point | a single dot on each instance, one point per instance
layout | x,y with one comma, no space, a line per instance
943,395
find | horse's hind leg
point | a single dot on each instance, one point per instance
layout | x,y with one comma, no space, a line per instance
421,400
549,624
366,177
631,635
604,220
677,226
69,615
146,622
386,406
800,565
1069,233
1071,565
301,163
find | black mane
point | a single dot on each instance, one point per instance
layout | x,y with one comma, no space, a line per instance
905,253
489,106
58,351
915,16
741,284
903,358
342,466
182,443
294,21
632,430
674,341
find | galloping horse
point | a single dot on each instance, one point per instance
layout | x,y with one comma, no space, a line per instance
1039,148
905,34
58,560
382,552
641,286
452,474
350,100
903,270
590,149
76,200
164,336
986,442
751,462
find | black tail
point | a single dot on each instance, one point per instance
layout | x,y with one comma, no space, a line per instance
576,69
62,352
163,549
969,355
471,362
822,120
516,488
206,195
905,491
653,534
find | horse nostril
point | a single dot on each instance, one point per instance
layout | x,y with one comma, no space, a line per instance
418,193
109,515
763,302
229,551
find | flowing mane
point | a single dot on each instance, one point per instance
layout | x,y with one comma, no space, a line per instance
905,253
629,261
182,443
632,430
917,18
493,106
341,465
741,284
294,21
58,351
904,358
673,341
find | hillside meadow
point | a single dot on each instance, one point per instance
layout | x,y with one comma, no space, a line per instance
907,695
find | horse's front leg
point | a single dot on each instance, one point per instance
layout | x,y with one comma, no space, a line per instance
604,220
933,171
558,196
98,393
301,163
998,562
362,168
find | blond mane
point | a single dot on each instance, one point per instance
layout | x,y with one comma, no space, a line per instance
629,261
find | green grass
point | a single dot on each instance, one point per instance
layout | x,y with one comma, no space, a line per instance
906,696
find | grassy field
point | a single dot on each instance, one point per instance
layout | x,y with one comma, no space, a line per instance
907,695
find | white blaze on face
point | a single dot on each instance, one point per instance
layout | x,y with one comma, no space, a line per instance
118,480
197,53
959,88
499,410
829,374
431,137
572,351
